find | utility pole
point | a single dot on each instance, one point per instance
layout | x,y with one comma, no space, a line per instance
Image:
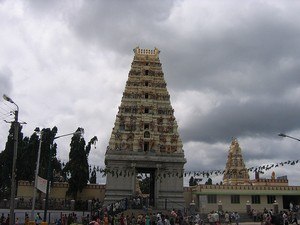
36,173
13,173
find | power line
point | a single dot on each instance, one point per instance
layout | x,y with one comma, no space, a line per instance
4,110
4,116
9,106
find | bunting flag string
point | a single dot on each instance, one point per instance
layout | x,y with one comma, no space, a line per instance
127,172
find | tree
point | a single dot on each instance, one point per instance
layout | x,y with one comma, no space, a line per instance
6,159
209,181
93,179
27,153
77,168
144,182
192,181
48,136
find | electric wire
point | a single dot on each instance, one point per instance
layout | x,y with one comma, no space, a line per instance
9,106
5,116
4,110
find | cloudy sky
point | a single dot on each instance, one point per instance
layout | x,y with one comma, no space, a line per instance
232,69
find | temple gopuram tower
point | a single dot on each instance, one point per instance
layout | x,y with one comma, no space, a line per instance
235,172
145,137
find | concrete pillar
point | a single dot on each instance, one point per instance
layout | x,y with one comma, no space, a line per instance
133,181
157,186
72,204
44,203
248,207
192,208
220,206
275,206
89,205
16,203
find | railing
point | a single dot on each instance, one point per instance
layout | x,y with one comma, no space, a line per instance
54,204
180,206
121,206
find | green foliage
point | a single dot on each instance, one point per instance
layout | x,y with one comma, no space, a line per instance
144,183
48,136
27,152
93,179
6,160
26,158
192,181
77,168
209,181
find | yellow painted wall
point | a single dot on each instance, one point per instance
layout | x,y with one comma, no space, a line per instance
223,193
58,191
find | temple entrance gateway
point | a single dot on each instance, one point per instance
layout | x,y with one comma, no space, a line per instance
145,185
145,138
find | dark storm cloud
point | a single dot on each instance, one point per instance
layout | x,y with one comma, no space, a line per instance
255,118
119,25
254,52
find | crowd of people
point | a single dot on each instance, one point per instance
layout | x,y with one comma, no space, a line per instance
173,218
268,217
4,220
114,214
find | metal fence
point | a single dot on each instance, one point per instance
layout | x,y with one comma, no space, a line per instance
53,204
52,215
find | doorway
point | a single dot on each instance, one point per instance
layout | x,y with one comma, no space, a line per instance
145,186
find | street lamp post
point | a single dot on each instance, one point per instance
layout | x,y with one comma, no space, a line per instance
36,172
79,132
287,136
13,173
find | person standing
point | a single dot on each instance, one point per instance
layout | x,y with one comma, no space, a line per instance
285,218
227,217
26,219
2,219
237,218
38,219
294,218
105,219
7,220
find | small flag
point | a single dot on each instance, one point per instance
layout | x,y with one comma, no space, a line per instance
41,184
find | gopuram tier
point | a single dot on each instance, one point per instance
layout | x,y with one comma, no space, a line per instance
236,172
145,137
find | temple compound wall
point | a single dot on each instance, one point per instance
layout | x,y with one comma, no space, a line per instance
207,198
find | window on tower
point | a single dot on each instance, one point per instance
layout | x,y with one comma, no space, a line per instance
235,199
211,199
255,199
146,126
146,146
147,134
271,199
146,95
146,83
146,72
122,126
146,110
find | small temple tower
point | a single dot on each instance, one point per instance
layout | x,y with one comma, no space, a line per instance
235,172
145,137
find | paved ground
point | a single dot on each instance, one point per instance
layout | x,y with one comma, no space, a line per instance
250,223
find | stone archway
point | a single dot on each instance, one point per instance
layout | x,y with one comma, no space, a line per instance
146,176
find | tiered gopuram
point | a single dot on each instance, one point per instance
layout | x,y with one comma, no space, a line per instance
236,172
145,138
